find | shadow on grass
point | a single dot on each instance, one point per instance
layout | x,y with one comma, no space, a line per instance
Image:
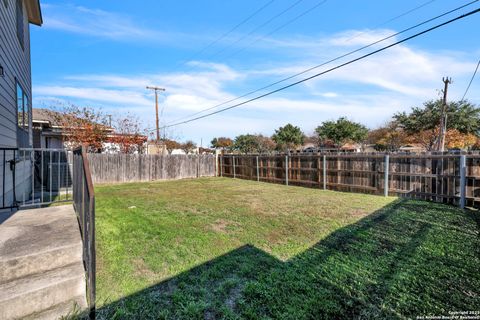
409,259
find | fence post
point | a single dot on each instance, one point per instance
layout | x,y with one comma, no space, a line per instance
324,172
385,182
463,180
234,174
286,170
221,166
216,163
258,171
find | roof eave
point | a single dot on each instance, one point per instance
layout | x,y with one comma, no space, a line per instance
34,12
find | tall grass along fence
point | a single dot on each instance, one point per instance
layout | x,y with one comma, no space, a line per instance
445,178
119,168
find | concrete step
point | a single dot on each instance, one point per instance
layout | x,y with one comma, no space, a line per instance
33,241
42,292
41,266
66,309
18,267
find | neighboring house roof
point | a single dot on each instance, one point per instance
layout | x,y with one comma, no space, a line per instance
44,116
118,137
350,146
34,12
412,147
48,119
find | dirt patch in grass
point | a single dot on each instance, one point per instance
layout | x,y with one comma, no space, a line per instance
141,269
223,226
358,213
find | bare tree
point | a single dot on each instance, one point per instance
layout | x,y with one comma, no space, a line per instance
81,126
129,134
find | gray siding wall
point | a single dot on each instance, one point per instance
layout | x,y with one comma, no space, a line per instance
15,61
16,64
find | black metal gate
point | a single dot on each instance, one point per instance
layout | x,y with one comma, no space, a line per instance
35,177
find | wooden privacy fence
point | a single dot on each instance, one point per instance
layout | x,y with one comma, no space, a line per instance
118,168
445,178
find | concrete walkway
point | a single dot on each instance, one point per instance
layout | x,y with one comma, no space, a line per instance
41,267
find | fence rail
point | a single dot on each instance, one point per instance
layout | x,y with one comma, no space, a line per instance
84,205
445,178
119,168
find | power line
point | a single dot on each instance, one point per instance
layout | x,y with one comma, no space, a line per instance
258,27
231,30
471,80
280,27
331,69
295,19
330,61
246,35
404,14
314,7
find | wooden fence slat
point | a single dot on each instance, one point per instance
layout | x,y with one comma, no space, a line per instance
119,168
429,177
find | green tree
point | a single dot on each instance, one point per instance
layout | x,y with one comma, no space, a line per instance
221,143
341,131
288,137
461,115
246,143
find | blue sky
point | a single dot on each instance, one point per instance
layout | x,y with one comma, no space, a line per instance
103,54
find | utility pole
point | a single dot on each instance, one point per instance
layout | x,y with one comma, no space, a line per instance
443,119
156,89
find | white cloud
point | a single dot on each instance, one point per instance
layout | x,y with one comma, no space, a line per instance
94,22
361,38
369,91
108,96
329,94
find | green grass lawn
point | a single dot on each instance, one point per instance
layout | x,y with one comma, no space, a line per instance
218,248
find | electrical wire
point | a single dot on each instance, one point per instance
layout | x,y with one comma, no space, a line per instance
329,61
311,9
238,25
279,28
404,14
258,28
331,69
471,80
286,24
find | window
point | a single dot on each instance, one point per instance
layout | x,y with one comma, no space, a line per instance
20,23
23,108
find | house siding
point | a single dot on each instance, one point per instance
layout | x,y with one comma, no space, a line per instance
16,64
17,67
